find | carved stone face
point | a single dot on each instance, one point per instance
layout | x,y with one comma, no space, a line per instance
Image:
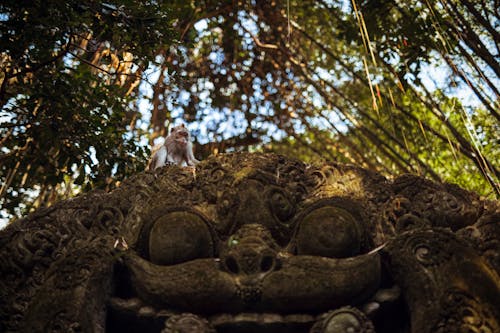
256,243
185,265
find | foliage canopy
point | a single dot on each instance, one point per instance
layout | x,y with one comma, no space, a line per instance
85,86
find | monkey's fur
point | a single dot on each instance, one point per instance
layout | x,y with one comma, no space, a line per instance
177,149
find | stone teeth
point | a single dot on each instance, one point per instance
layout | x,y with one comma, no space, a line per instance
259,318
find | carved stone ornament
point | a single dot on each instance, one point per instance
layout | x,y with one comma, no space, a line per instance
256,243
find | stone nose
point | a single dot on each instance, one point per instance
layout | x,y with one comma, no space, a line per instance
250,252
250,259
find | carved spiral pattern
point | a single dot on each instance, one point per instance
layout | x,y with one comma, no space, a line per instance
75,268
463,313
410,222
213,181
185,178
316,178
73,272
440,206
429,248
227,202
110,219
217,174
85,216
395,208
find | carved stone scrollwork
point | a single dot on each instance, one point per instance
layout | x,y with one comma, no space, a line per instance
484,235
429,248
434,264
444,205
109,219
461,312
256,243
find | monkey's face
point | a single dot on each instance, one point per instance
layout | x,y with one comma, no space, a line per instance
180,135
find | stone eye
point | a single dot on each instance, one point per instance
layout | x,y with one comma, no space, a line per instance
329,232
179,237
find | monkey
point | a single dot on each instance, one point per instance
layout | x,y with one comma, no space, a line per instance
177,149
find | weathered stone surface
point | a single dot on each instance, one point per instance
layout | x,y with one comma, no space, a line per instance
256,243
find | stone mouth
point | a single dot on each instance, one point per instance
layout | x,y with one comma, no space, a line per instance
302,284
133,316
148,297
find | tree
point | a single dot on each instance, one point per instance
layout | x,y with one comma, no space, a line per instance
69,75
316,68
325,79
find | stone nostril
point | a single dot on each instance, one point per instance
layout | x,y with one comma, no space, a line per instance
266,264
232,265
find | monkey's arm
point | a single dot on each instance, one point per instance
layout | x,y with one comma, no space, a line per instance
190,160
159,158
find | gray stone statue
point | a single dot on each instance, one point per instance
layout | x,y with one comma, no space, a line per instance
256,243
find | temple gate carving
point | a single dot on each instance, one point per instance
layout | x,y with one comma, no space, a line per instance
256,243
